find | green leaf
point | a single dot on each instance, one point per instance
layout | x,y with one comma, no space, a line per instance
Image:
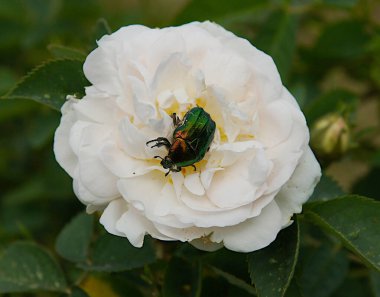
64,52
214,10
183,278
25,266
341,3
342,40
7,79
353,219
101,28
354,286
368,184
74,240
51,82
293,290
112,253
321,270
278,38
235,281
333,101
326,189
272,268
374,277
78,292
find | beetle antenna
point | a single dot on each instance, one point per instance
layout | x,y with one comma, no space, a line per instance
158,157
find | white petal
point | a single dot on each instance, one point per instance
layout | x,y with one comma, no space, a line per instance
168,43
134,141
102,64
88,136
253,234
121,164
96,177
207,176
98,108
134,226
299,187
142,100
171,74
193,184
229,153
183,234
113,212
62,150
87,197
275,123
232,187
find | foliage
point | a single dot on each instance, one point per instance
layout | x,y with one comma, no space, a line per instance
327,53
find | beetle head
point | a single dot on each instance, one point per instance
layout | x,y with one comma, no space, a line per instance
167,163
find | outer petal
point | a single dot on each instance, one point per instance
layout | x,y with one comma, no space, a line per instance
135,225
253,234
113,212
62,150
299,187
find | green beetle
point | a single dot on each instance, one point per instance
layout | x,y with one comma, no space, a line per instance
192,138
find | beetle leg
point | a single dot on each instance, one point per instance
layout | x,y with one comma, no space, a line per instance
160,141
195,168
176,119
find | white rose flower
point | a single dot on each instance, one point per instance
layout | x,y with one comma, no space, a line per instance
259,169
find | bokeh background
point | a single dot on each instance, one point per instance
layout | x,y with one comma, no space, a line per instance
327,52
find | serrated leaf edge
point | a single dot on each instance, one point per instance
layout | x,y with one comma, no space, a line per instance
346,241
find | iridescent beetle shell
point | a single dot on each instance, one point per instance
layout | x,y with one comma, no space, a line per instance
192,138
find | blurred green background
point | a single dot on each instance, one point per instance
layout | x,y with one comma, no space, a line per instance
327,52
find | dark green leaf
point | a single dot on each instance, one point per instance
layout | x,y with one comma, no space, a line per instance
355,220
324,264
235,281
272,268
51,82
112,253
183,279
326,189
203,10
7,79
347,39
354,286
368,184
277,38
74,240
230,262
375,283
25,266
341,3
64,52
78,292
10,109
293,290
102,28
333,101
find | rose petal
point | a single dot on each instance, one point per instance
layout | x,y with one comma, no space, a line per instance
112,214
134,226
299,187
253,234
62,150
193,184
